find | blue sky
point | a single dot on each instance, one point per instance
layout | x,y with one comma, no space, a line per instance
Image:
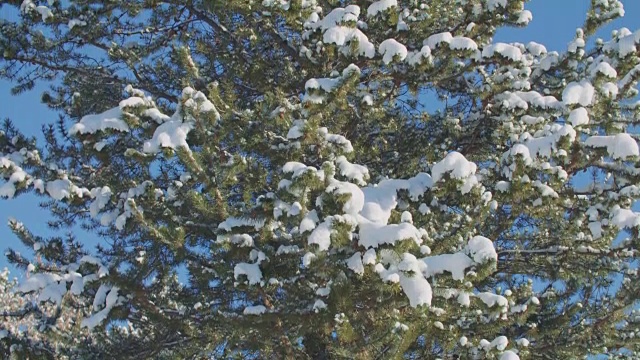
554,24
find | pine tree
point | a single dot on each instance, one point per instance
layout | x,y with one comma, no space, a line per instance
324,179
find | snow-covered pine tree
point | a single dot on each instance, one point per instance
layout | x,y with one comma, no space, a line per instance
325,179
32,328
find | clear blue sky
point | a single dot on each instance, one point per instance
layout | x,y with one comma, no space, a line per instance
554,23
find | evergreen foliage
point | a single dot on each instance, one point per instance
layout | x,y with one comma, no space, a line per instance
322,179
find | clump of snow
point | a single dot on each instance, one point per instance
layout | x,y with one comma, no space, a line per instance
414,284
380,6
624,44
458,167
309,221
456,264
606,69
381,199
545,190
508,51
172,134
579,116
38,281
522,342
287,249
307,259
355,263
462,43
509,355
478,250
544,145
334,18
254,310
504,186
8,189
319,305
463,341
242,240
492,5
455,164
625,218
108,120
38,184
499,343
369,257
391,48
619,146
436,39
609,89
481,249
338,141
335,33
492,300
296,131
102,269
356,201
524,17
577,43
298,169
417,289
251,271
398,326
536,49
522,100
111,300
326,84
321,235
406,217
578,93
28,6
156,115
76,22
351,171
233,222
101,196
373,235
416,57
64,188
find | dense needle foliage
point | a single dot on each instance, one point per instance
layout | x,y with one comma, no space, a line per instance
322,179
